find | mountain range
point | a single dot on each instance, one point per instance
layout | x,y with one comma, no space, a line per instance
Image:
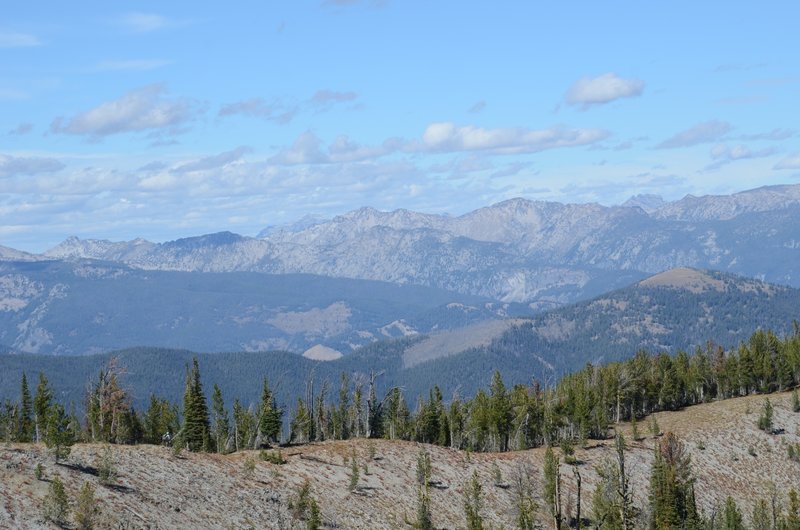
544,254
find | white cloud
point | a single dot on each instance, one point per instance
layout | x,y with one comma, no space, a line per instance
305,150
259,108
448,137
143,109
11,166
606,88
738,152
214,161
282,112
790,162
701,133
144,22
18,40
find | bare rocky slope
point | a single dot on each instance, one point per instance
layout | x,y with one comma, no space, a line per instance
156,489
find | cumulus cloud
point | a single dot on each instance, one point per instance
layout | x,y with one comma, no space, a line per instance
11,166
606,88
790,162
214,161
18,40
701,133
306,149
448,137
144,109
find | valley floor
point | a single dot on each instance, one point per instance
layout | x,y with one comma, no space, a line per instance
156,489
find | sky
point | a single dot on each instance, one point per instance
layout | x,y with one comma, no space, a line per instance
164,120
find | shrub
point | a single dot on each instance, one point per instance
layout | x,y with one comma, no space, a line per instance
273,457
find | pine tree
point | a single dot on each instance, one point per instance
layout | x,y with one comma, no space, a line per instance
524,503
795,401
424,519
56,504
41,406
25,431
269,419
760,520
672,502
220,425
85,508
732,517
765,420
195,434
354,473
473,503
59,436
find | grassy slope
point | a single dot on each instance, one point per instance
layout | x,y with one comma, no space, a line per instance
212,491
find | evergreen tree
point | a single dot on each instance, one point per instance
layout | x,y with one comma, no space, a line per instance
195,433
424,519
473,503
760,520
85,508
792,519
160,421
524,504
41,406
301,425
56,504
220,424
269,418
765,420
59,436
25,431
795,401
732,517
672,502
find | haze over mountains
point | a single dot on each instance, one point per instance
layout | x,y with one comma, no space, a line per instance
541,253
311,287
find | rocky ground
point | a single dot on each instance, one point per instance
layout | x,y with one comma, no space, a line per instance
158,489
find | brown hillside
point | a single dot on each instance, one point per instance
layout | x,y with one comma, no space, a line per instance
156,489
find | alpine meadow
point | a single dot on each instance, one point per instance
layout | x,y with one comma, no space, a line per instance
371,264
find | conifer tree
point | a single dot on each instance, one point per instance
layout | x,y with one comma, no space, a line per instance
41,406
85,508
795,401
765,420
524,503
732,517
672,502
56,504
195,433
25,431
59,436
760,519
220,425
269,416
473,503
301,425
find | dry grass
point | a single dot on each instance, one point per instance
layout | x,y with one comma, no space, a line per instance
156,489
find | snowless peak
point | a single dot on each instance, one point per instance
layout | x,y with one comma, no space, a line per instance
646,201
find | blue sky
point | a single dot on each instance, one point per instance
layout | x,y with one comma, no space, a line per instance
168,119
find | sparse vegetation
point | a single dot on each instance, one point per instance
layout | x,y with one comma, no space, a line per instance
765,419
273,457
106,467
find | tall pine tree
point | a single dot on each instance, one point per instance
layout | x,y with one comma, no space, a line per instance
195,434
